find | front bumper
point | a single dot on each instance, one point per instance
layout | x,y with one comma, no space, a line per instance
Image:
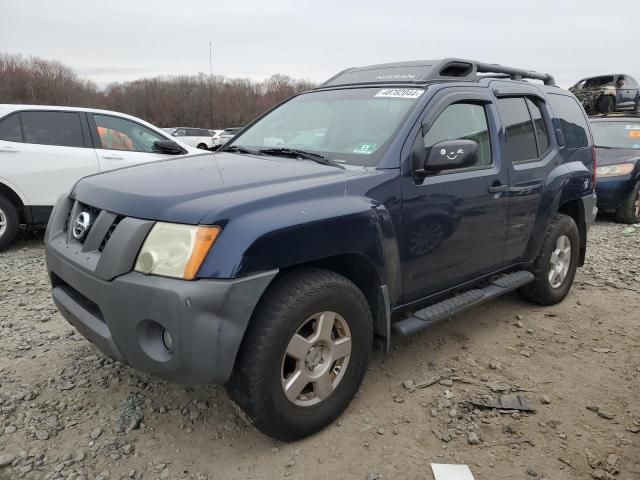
613,191
126,315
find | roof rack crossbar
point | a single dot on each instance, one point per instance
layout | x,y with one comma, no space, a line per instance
515,73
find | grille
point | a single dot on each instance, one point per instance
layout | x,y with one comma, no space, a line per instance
107,236
99,219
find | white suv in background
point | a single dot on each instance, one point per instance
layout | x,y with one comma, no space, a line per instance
224,136
196,137
45,150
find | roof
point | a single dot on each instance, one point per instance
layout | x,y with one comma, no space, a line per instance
420,72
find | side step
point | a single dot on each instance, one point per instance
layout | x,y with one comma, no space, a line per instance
441,311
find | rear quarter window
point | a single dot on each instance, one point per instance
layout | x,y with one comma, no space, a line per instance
573,122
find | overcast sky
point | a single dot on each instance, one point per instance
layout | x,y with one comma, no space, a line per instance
119,40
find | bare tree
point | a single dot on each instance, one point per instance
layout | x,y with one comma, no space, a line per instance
165,101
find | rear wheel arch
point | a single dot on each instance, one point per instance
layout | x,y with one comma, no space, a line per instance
574,209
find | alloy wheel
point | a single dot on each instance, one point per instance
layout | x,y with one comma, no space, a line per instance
3,222
560,261
316,359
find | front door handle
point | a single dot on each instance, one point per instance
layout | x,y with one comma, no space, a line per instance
8,149
498,189
112,157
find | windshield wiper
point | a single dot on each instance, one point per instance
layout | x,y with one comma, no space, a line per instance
295,153
239,149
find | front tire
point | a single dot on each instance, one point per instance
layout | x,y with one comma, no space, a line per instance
9,222
629,211
304,355
202,146
556,265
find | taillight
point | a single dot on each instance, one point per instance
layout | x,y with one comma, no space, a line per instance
595,164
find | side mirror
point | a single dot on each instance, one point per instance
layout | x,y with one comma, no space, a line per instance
168,147
174,134
450,154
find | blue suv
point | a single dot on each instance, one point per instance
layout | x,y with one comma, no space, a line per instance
387,199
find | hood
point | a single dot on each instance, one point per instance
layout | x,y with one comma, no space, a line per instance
184,190
613,156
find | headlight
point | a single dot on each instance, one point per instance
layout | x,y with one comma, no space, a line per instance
614,170
174,250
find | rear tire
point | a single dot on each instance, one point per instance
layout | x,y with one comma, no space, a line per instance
606,104
629,212
555,267
202,146
286,325
9,222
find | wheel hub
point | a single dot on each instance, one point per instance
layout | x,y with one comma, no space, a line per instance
315,357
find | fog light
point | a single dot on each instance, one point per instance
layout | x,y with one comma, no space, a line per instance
167,339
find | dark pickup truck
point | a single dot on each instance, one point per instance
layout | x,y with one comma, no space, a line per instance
387,199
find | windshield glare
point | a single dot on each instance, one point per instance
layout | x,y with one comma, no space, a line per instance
349,126
616,134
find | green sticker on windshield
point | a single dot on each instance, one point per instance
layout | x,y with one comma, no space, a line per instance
365,148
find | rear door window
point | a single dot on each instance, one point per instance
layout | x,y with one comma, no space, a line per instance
572,121
520,137
10,128
542,135
52,128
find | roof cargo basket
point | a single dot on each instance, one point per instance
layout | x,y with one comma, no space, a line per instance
424,71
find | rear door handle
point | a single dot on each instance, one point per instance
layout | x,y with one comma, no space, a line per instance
112,157
8,149
498,189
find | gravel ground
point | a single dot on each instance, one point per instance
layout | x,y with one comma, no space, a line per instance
68,412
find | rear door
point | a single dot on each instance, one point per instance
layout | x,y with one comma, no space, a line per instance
528,152
44,153
454,224
121,142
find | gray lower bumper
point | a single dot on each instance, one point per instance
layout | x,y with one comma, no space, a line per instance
125,317
590,209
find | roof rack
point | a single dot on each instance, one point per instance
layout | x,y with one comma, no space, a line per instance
424,71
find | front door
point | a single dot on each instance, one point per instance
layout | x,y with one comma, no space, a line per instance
454,225
121,142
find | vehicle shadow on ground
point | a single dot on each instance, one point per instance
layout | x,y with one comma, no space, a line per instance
409,357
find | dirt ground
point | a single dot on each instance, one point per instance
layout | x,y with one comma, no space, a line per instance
67,411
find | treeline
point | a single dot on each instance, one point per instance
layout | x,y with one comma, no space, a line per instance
165,101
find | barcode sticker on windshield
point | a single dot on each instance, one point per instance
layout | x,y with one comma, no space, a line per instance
399,93
633,127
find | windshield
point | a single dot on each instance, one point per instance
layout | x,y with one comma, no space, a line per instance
350,126
616,134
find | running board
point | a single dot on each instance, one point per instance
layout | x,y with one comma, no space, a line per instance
426,317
